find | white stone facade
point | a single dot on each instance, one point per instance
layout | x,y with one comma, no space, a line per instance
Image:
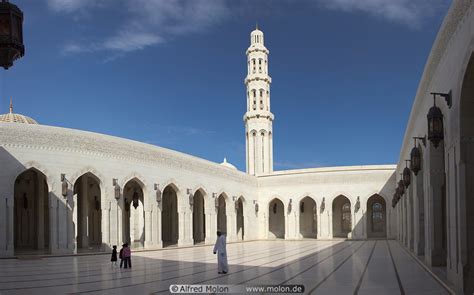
435,217
120,190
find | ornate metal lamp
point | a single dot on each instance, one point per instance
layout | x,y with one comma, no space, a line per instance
290,205
11,34
435,122
357,205
64,184
116,188
158,194
190,197
406,175
401,185
256,206
323,205
415,156
135,200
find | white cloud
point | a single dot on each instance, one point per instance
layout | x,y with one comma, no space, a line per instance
69,6
409,12
145,22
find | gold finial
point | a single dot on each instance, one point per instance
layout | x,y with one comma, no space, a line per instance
11,105
256,25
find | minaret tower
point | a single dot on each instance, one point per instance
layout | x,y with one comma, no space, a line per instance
258,118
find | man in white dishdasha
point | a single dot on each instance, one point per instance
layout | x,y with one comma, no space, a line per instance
220,249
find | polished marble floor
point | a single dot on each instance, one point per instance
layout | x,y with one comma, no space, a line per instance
323,267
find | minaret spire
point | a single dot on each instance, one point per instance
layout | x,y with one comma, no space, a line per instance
11,105
258,118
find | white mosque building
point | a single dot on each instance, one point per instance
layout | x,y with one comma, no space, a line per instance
64,191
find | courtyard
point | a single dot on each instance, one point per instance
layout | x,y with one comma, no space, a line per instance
323,267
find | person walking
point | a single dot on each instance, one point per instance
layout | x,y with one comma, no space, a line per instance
121,256
127,255
221,251
113,259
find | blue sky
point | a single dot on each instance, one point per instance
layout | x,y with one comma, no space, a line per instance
171,72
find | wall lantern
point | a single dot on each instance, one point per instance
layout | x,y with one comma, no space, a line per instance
406,175
435,120
191,197
415,156
302,207
116,188
135,200
158,194
323,205
290,205
357,205
256,206
401,185
393,203
64,185
11,34
397,194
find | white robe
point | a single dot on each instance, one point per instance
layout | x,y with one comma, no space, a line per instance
220,248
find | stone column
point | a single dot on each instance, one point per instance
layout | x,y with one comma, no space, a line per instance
7,222
149,227
105,224
231,224
84,198
185,226
211,226
436,253
40,217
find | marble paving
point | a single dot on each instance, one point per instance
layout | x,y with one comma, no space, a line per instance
323,267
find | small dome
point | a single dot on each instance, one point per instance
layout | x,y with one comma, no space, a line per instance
16,118
228,165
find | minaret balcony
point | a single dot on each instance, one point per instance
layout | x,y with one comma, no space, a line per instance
258,48
257,77
258,115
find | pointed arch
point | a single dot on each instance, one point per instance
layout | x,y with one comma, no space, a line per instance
31,230
308,213
276,219
341,216
376,217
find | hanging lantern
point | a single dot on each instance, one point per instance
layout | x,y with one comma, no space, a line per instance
401,187
435,125
64,184
393,203
135,200
357,205
191,200
290,205
11,34
236,204
158,194
116,189
415,159
323,205
397,194
216,202
406,176
256,208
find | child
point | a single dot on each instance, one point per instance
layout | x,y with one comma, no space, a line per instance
121,256
113,259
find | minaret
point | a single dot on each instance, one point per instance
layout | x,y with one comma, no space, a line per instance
258,118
